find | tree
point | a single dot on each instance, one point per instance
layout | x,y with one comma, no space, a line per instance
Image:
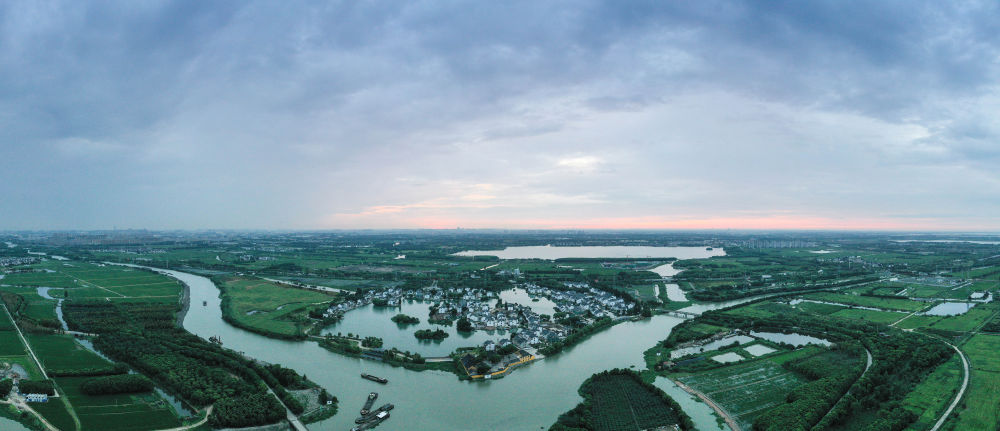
463,325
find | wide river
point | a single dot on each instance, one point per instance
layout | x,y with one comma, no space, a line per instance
530,398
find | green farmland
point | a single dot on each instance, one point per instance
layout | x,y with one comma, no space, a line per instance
270,307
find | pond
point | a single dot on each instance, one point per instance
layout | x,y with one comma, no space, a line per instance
616,251
794,339
725,341
950,308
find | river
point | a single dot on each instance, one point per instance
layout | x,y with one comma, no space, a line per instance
530,398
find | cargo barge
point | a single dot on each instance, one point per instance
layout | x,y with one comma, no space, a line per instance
371,416
368,403
374,378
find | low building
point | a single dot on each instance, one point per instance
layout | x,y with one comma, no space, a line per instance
36,398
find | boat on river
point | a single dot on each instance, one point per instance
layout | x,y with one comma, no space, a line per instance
377,419
374,378
368,403
374,414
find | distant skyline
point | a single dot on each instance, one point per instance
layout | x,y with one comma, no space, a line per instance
825,115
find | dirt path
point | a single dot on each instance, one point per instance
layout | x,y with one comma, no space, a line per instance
718,409
25,342
27,408
194,425
958,396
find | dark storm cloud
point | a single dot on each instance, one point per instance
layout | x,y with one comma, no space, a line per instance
308,114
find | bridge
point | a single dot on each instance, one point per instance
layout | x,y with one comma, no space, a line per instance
681,314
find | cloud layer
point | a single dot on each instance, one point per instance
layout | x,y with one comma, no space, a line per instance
500,114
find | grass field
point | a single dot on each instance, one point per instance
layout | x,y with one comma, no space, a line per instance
933,395
62,352
55,412
980,409
268,306
85,280
868,301
870,315
748,389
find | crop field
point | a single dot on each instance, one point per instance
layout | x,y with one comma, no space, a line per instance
10,343
55,412
342,283
62,352
817,308
268,306
762,309
83,280
43,279
932,396
619,403
748,389
901,304
122,412
870,315
980,408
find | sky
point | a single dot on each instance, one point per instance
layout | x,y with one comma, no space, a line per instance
517,114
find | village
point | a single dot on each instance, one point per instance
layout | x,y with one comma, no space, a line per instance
526,330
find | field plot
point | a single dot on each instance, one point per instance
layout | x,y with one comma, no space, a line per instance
121,412
932,396
267,306
746,390
980,409
55,412
619,403
901,304
870,315
342,283
63,353
41,279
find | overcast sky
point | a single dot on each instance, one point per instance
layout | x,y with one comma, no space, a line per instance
535,114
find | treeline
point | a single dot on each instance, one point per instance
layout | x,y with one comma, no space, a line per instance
725,293
102,316
6,385
583,416
118,384
576,336
807,404
36,387
245,411
108,370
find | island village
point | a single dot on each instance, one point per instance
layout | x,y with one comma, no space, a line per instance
525,334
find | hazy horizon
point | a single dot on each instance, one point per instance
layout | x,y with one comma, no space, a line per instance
825,115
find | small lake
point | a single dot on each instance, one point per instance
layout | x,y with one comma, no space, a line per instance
796,340
549,252
674,293
950,309
725,341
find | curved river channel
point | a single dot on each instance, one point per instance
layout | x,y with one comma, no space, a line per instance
532,397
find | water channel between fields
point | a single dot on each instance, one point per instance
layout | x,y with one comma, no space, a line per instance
530,398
